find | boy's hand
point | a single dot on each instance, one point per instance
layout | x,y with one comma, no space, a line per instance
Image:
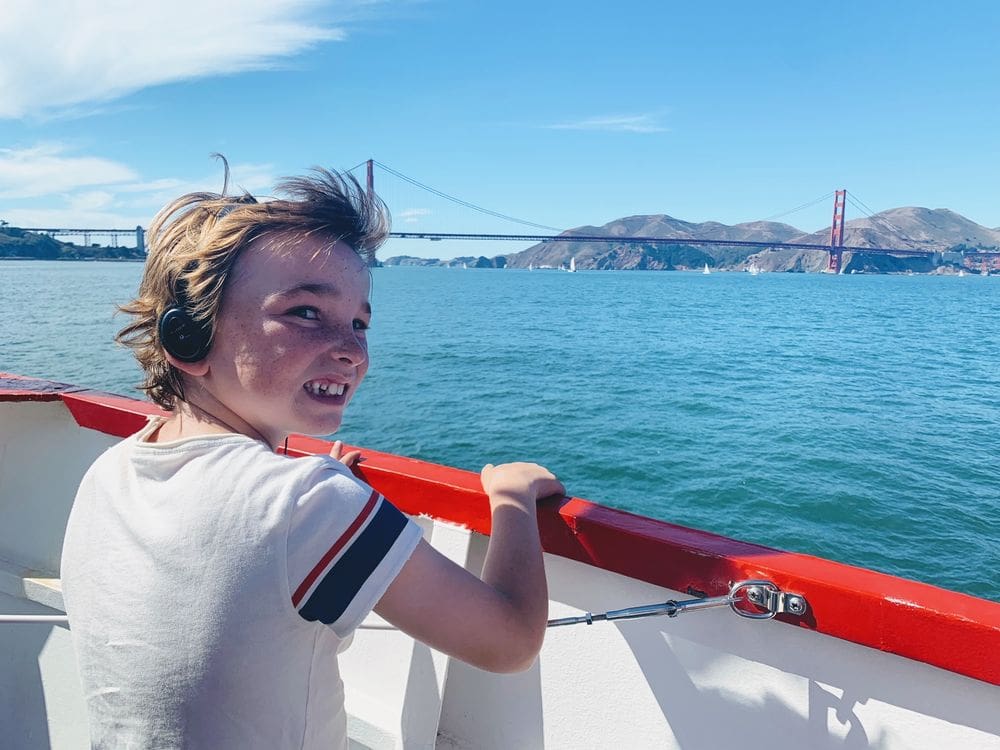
526,482
349,459
498,622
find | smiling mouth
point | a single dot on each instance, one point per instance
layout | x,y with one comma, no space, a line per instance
325,388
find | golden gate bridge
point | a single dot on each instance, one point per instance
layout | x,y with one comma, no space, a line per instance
835,248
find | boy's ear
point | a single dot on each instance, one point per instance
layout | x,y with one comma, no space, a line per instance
194,369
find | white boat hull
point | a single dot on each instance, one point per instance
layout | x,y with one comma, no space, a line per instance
706,679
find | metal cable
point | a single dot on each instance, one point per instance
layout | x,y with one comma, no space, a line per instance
799,208
461,202
878,220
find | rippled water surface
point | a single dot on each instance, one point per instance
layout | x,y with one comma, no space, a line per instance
851,417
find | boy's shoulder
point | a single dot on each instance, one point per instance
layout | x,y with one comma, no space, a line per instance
232,458
211,472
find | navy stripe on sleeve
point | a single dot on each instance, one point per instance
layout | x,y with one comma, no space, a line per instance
344,580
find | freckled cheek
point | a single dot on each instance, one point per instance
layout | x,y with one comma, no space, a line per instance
263,354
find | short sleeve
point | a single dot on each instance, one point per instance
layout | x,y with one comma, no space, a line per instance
346,544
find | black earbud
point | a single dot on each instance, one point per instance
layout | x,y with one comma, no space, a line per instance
182,336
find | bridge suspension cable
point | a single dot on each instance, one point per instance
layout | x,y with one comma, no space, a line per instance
799,208
856,202
884,223
461,202
356,166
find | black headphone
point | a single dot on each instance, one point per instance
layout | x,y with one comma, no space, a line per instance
182,336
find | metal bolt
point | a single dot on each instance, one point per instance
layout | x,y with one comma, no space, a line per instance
796,605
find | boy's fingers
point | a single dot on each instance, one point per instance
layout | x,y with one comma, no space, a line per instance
551,488
349,459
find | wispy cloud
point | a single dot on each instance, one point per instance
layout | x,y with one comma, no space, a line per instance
50,185
413,215
91,200
257,179
615,124
48,169
64,55
65,217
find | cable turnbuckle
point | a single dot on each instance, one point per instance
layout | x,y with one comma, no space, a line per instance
755,600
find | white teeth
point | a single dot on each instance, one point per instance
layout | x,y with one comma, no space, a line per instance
325,389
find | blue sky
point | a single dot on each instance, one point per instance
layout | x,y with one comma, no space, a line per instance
561,113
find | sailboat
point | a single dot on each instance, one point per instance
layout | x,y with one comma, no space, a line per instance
572,265
706,271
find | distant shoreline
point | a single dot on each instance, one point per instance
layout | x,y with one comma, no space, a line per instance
75,260
938,271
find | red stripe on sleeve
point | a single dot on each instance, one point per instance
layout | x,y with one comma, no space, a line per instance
332,552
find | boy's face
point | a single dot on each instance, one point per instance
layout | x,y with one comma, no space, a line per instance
290,343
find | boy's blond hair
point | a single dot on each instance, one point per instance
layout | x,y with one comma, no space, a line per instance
195,240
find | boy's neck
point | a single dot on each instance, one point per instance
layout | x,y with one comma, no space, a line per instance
190,419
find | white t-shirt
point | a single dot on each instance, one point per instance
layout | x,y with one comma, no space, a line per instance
210,583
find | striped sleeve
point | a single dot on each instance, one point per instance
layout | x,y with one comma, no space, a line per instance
346,544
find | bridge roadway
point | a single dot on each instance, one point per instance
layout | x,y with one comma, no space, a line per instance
437,236
65,231
138,232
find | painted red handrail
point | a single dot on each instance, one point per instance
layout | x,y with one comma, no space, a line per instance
953,631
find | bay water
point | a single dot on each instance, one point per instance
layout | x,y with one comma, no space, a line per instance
852,417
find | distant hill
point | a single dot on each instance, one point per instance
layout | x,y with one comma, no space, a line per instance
937,229
467,261
630,255
18,243
410,260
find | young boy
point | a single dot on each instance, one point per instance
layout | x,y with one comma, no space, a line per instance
209,580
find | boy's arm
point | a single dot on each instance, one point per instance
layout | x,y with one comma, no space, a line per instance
497,623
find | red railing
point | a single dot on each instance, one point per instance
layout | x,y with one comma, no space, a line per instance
953,631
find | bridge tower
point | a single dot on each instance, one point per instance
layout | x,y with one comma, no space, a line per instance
837,232
140,239
370,186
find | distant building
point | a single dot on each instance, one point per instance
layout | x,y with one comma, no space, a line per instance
982,262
